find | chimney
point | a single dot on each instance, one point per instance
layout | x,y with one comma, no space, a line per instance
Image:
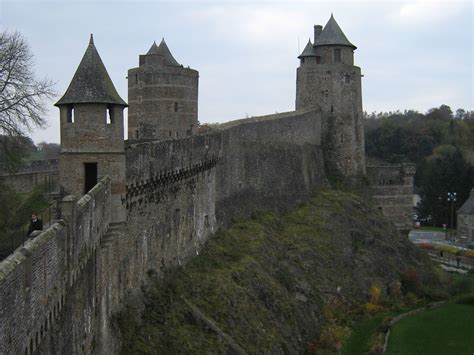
317,31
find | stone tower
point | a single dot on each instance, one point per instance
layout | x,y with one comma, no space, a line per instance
328,79
163,97
92,142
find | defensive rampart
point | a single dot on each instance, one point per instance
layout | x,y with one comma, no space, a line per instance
59,291
43,284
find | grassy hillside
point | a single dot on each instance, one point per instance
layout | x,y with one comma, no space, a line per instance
262,285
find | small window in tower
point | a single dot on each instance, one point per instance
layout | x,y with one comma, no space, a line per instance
136,79
175,107
326,93
70,114
318,59
302,60
347,79
337,55
342,138
170,133
332,108
136,134
109,119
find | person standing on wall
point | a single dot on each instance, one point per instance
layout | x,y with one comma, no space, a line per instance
35,224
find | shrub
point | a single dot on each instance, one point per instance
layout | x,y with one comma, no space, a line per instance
447,249
469,253
426,245
332,336
371,308
375,294
410,282
466,299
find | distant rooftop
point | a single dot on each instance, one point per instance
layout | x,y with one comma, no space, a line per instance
91,82
468,206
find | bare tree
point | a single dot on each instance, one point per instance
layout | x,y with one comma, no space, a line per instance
22,97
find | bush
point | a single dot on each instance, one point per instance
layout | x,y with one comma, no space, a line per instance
469,254
426,246
460,286
410,282
466,299
375,294
447,249
332,336
371,308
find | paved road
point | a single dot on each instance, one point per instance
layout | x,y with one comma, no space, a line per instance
432,236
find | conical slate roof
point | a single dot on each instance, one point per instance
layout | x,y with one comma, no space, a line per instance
153,49
308,51
164,51
332,35
91,82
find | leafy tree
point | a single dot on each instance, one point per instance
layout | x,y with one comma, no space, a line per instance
22,96
13,149
444,171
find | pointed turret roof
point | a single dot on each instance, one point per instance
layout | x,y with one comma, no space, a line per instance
164,51
91,82
153,49
308,51
332,35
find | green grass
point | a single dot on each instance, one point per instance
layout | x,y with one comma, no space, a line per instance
360,335
445,330
434,229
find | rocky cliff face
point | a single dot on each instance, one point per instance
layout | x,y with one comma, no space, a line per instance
260,286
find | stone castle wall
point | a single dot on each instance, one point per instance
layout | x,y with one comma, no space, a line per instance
47,286
392,187
178,193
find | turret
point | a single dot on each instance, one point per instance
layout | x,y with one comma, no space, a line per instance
327,79
163,97
92,142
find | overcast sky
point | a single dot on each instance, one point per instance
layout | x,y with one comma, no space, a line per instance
414,54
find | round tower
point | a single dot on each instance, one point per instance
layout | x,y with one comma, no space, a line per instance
163,97
328,79
92,142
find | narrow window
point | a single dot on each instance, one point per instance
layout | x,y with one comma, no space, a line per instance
136,134
136,78
109,118
342,138
90,176
347,79
318,59
332,108
175,107
337,55
170,133
302,60
326,93
70,114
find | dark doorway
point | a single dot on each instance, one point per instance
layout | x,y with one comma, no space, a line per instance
90,173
